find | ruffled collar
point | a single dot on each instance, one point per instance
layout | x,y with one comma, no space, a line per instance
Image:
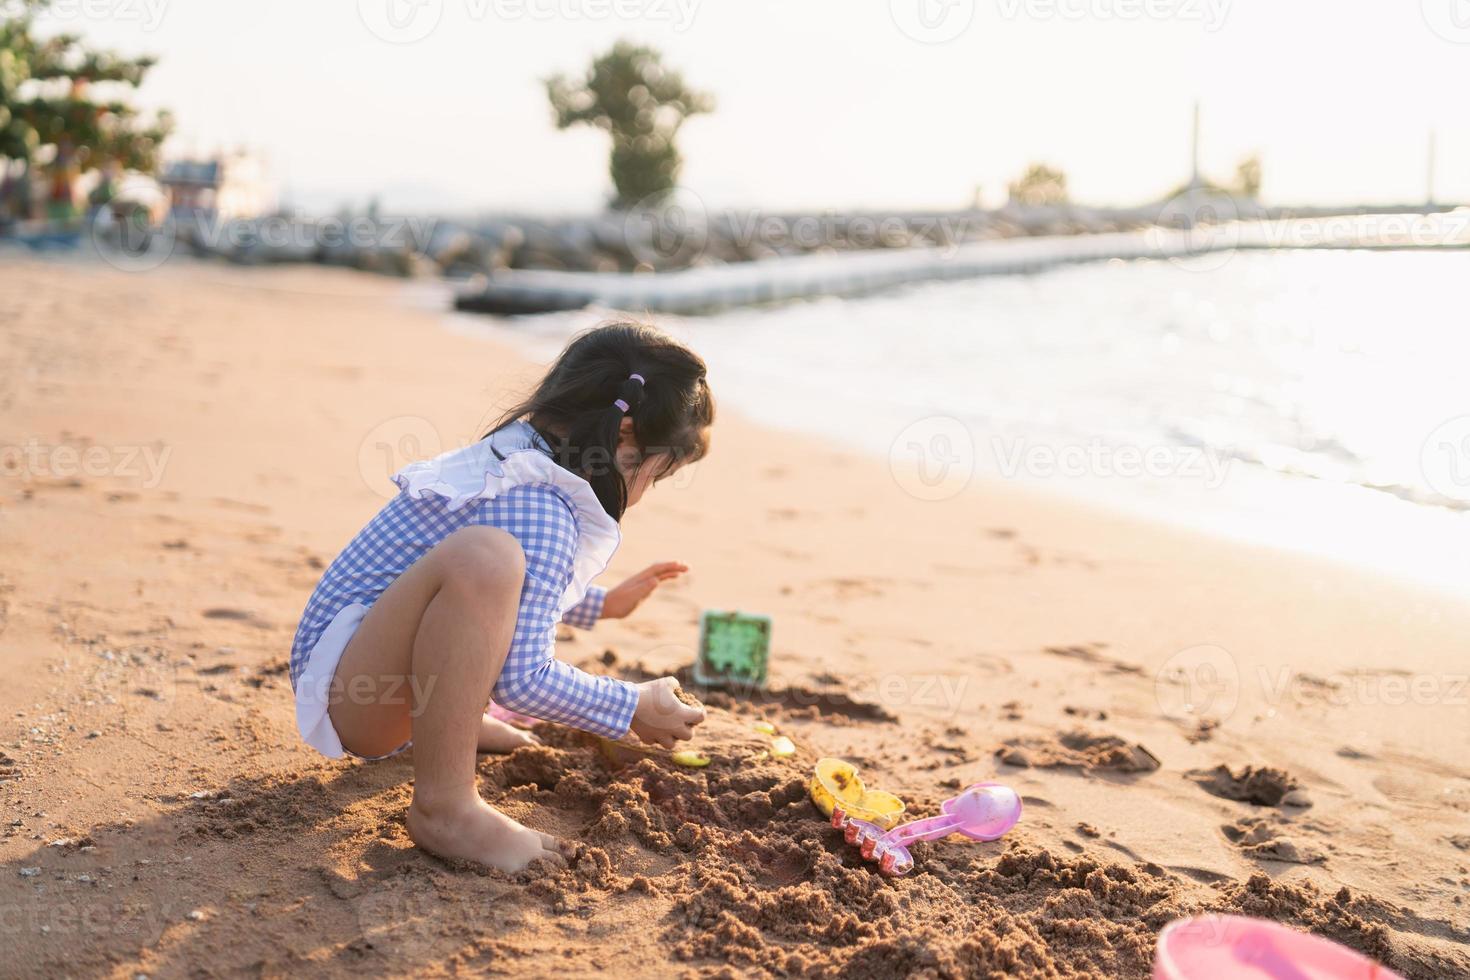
515,456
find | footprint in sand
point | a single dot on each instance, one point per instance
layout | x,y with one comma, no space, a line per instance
229,504
1202,731
1078,749
1264,786
1411,787
236,615
847,588
989,665
1262,838
1091,653
1122,849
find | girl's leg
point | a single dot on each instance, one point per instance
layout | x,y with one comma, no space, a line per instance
422,665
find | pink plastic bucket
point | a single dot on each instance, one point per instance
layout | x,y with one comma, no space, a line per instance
1231,947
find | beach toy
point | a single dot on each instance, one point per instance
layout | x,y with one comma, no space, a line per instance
1232,947
781,746
836,782
734,649
984,811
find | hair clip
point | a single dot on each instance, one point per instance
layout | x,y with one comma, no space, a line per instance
621,403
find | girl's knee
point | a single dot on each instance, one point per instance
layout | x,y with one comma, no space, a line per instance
481,558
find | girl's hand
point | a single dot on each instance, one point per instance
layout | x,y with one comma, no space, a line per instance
661,718
623,599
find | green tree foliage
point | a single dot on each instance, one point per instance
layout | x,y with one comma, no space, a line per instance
641,104
63,105
1040,184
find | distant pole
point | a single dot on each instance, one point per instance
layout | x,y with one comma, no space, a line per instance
1194,180
1433,152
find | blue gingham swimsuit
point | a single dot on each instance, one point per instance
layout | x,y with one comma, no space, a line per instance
510,482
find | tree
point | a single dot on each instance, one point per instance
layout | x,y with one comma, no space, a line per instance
1248,177
62,107
641,104
1040,184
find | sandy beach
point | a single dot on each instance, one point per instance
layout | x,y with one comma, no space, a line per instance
1193,724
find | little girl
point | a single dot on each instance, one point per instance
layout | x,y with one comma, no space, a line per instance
453,591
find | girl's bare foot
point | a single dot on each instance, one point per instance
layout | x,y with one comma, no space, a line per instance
498,736
476,831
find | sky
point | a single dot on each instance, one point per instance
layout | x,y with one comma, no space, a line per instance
439,104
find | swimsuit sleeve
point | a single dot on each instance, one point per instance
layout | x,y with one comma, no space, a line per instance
533,681
585,614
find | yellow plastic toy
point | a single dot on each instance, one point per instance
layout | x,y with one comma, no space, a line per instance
836,780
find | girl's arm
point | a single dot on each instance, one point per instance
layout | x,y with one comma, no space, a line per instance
615,603
533,681
585,614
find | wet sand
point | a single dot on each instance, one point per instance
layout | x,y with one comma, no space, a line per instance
1193,724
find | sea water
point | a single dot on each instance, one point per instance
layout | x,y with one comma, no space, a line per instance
1311,400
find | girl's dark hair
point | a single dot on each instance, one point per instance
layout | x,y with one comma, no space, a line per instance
575,406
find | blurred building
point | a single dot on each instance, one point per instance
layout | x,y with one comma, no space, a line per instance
233,185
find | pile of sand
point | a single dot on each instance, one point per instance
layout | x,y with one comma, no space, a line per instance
731,865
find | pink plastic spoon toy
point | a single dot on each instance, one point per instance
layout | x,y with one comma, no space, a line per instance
984,811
